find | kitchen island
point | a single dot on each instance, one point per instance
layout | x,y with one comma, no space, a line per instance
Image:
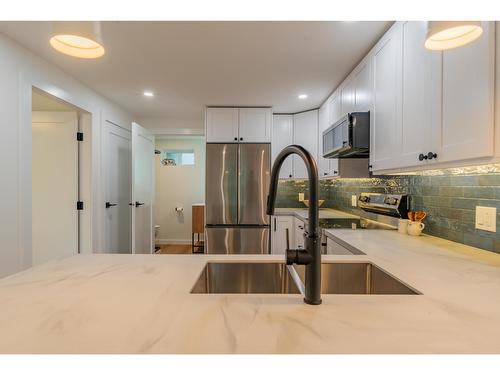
142,304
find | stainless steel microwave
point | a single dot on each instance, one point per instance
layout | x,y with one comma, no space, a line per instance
349,137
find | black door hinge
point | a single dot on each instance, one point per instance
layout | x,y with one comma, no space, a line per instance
79,136
79,205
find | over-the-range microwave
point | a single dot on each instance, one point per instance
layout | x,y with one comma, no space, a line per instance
349,137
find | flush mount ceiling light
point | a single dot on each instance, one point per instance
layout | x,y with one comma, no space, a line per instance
149,94
78,39
302,96
443,35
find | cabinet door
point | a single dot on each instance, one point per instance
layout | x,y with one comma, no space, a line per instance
299,233
280,225
282,137
323,124
363,86
335,113
222,125
386,117
305,134
468,94
255,125
347,95
421,112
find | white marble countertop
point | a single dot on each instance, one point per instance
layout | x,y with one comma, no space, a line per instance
324,213
141,304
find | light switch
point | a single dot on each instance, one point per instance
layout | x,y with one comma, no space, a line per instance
486,218
354,200
301,197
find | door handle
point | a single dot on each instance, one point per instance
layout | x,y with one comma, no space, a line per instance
108,204
137,204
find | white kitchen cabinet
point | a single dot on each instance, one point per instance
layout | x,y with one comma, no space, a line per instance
385,132
305,134
222,125
229,125
326,167
299,233
347,95
421,93
363,86
282,137
468,99
280,225
255,125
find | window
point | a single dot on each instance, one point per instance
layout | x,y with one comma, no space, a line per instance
177,157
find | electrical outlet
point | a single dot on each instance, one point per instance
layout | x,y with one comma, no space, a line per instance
354,200
301,197
486,218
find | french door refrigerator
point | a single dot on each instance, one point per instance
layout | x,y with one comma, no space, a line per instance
237,183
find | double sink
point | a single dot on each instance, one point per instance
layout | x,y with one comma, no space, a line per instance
278,278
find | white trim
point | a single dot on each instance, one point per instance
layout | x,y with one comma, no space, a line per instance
177,131
163,241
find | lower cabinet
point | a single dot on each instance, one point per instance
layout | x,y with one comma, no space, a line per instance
278,232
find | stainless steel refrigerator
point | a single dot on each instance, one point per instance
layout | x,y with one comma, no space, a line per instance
237,183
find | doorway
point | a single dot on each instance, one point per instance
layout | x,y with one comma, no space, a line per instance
179,191
56,188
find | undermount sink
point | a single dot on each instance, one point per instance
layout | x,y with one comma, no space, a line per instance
276,278
245,278
357,278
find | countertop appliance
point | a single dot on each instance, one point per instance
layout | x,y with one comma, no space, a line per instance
349,137
395,205
237,183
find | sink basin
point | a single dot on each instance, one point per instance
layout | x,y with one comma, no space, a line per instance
245,278
357,278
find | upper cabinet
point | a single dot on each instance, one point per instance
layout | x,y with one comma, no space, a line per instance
421,93
305,134
222,125
386,115
468,99
282,137
356,93
255,125
226,125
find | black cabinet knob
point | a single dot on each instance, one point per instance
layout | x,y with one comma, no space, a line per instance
422,157
432,155
137,204
241,138
325,174
108,204
235,138
335,172
290,175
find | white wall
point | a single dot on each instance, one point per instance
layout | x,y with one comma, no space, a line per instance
178,186
19,71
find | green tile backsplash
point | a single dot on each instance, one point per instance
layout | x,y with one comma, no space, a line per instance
449,201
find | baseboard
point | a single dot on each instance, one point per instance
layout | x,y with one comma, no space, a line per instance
163,241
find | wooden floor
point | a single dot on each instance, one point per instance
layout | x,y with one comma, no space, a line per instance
174,249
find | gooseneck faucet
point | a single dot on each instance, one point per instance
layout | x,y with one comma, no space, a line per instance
311,255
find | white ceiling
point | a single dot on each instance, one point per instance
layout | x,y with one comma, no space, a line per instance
192,64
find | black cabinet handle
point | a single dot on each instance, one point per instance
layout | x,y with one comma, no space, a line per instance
422,157
335,172
235,138
432,155
290,175
108,204
137,204
325,174
241,138
275,224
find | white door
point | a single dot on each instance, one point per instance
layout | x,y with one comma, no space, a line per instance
255,125
282,137
280,225
305,134
386,116
118,189
54,185
143,150
222,125
421,122
468,95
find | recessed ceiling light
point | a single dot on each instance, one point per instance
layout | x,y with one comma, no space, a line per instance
149,94
77,39
303,96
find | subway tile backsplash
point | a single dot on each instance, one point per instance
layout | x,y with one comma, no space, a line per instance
449,200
